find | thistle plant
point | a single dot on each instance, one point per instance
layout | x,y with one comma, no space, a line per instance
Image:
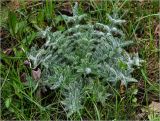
83,59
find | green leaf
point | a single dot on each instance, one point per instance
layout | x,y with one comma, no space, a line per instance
134,100
12,21
73,98
82,58
8,102
29,39
122,65
135,91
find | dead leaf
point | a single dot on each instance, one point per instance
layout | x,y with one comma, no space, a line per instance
8,51
155,106
157,35
157,30
141,1
27,63
23,77
15,4
65,8
122,88
36,74
140,116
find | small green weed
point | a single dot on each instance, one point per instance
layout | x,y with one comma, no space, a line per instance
22,101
